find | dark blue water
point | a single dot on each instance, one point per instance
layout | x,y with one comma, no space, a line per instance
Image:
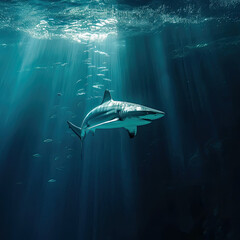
178,178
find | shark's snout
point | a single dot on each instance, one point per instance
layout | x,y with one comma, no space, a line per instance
153,114
160,113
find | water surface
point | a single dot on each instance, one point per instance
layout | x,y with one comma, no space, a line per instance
178,179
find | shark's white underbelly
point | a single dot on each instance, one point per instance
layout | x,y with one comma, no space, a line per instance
128,122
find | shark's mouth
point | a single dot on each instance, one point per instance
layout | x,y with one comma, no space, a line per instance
148,120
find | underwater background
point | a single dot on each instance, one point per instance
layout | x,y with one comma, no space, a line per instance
178,178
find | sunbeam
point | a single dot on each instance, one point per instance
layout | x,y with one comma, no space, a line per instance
83,153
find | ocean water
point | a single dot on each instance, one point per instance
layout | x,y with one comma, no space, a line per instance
178,178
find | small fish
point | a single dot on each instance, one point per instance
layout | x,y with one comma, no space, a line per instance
40,67
56,158
53,116
99,68
48,140
69,156
51,180
64,64
36,155
80,94
102,53
78,81
100,75
99,86
81,90
91,98
59,94
107,79
43,22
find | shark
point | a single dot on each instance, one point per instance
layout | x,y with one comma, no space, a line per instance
112,114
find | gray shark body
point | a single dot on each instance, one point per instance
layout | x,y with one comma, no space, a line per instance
116,114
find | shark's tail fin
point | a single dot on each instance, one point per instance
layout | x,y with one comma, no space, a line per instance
77,130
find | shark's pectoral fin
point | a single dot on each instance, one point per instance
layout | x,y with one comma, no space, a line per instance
132,131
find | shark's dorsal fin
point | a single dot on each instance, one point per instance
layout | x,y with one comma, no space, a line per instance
106,97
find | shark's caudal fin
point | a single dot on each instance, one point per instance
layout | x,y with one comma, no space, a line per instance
77,130
106,97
